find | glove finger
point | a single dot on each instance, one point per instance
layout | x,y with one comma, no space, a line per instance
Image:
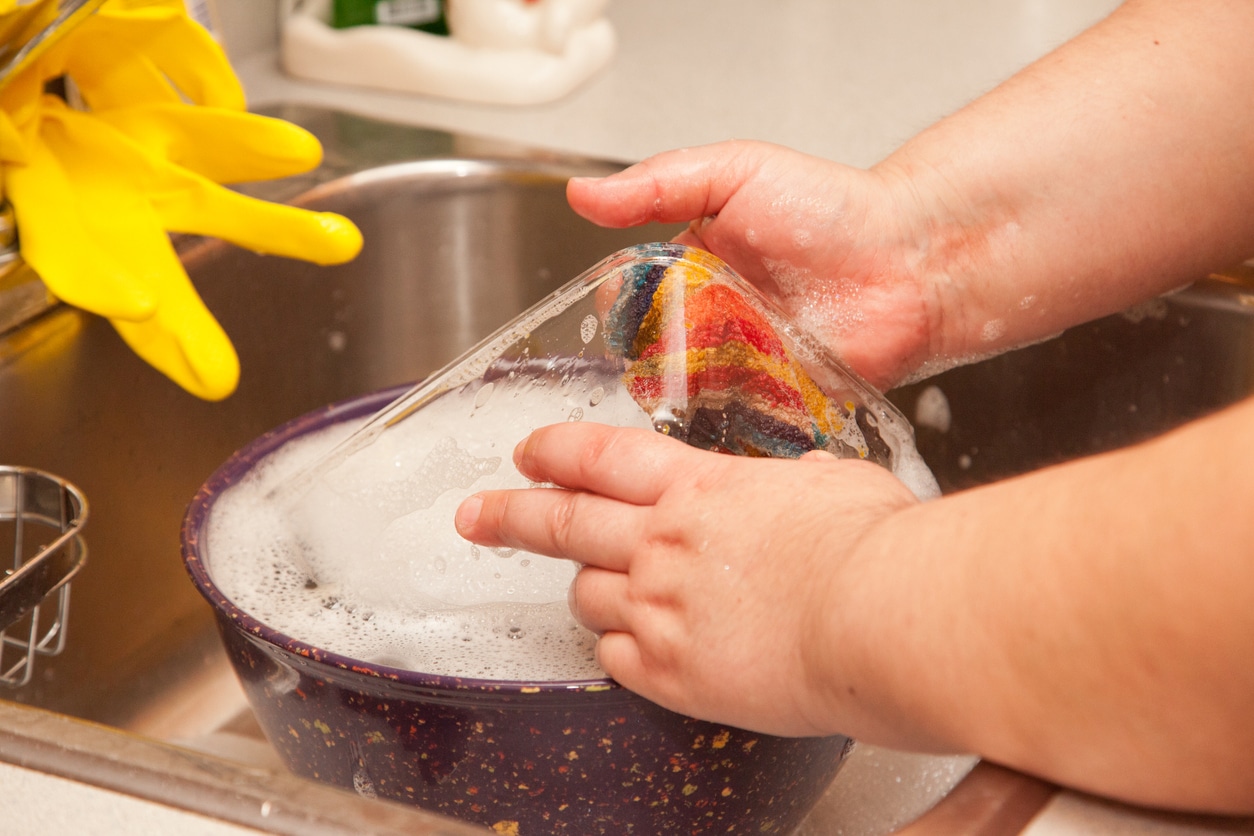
245,146
47,203
178,47
12,145
263,227
185,343
181,338
21,98
106,82
186,202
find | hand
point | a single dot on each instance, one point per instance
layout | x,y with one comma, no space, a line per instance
830,243
710,578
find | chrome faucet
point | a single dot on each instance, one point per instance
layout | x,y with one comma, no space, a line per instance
24,35
22,39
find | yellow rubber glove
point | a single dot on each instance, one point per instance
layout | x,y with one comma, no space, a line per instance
142,51
18,24
126,198
258,147
95,193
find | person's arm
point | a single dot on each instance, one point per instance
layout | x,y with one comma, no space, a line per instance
1116,168
1092,623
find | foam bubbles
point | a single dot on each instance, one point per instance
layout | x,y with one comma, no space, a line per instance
932,409
368,564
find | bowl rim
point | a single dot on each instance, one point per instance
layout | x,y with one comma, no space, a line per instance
240,463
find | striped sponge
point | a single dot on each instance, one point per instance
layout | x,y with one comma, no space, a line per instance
708,366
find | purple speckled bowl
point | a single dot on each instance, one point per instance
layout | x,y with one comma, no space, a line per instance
524,758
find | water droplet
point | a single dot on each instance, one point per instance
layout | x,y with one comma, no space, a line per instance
667,422
484,394
576,414
588,328
596,396
515,632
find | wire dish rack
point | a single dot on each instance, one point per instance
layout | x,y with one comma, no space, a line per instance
41,518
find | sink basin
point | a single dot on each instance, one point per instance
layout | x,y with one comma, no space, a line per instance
461,235
458,241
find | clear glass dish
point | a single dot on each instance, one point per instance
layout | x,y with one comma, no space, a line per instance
668,336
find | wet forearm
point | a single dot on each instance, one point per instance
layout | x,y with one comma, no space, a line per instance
1090,623
1115,168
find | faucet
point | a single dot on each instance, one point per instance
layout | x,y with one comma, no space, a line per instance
33,26
25,32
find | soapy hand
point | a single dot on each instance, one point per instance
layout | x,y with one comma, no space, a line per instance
827,241
711,578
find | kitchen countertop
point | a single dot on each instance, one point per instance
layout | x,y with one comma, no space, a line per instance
842,79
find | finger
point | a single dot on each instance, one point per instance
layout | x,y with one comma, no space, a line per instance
186,344
187,202
628,464
597,597
675,186
53,205
205,208
104,82
247,147
182,339
691,237
182,50
573,525
618,653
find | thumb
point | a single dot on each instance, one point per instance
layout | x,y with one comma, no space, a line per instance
672,187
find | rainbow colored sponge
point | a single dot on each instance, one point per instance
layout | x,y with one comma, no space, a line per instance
708,366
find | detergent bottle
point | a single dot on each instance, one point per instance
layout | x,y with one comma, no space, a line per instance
424,15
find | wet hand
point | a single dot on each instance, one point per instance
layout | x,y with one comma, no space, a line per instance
831,243
711,579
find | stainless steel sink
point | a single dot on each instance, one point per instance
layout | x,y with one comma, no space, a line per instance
461,234
1099,386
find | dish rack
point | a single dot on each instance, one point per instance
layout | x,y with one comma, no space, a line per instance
41,518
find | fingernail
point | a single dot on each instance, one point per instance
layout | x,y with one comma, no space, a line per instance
520,450
570,599
468,513
819,456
